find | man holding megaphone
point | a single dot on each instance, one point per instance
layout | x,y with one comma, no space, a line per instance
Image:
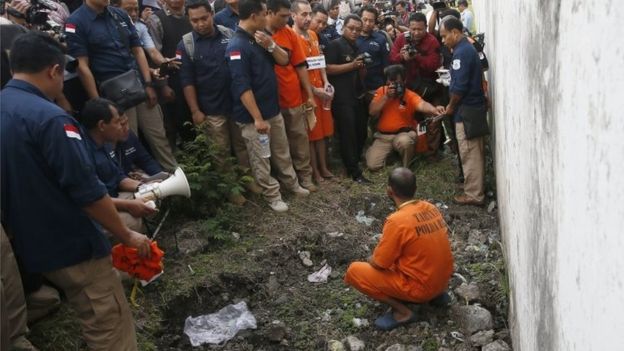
104,126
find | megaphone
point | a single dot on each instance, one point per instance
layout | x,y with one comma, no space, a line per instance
174,185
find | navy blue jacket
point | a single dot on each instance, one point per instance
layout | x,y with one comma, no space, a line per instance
131,154
47,176
208,72
97,36
379,49
251,68
466,76
227,18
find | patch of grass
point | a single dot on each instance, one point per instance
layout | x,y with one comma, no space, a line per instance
430,344
58,332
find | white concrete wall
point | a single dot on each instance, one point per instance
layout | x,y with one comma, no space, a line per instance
557,83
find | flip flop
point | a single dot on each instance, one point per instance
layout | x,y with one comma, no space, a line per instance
387,322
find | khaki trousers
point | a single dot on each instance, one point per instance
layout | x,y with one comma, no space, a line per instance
94,291
298,142
42,302
384,144
150,122
134,223
13,315
280,158
472,154
224,133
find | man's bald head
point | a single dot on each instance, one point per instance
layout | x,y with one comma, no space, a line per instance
402,181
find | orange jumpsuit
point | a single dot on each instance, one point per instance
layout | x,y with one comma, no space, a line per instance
415,254
324,121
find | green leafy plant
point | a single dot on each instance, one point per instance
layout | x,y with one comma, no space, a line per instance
213,176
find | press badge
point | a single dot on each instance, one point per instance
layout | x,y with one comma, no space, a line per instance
315,62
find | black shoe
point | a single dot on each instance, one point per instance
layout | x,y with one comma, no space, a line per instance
361,180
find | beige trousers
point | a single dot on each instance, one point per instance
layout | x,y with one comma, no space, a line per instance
280,158
13,315
94,291
472,154
224,133
150,122
297,133
384,144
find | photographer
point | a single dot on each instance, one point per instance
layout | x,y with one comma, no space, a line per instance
396,128
375,44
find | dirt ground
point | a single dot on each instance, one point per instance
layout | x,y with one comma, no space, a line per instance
256,259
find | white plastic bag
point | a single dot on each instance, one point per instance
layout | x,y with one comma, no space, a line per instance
218,327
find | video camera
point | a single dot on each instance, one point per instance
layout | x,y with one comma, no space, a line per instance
411,46
399,89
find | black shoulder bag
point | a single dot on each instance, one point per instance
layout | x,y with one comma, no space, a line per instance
126,89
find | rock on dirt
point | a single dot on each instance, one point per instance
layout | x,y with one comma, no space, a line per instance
276,333
468,292
335,345
305,258
473,318
355,344
482,338
498,345
360,322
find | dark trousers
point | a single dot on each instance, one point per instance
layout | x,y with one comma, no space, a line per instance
351,124
177,116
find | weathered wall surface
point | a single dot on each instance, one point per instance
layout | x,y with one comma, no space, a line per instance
557,84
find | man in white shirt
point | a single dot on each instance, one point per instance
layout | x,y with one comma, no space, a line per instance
467,17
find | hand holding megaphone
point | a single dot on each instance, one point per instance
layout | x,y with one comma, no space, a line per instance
174,185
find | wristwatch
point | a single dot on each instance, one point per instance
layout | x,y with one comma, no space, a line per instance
271,47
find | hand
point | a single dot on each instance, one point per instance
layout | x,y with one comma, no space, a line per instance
440,110
167,94
404,53
358,63
262,127
139,242
147,12
136,176
263,39
450,111
155,73
138,208
198,117
311,102
320,92
391,91
172,63
151,97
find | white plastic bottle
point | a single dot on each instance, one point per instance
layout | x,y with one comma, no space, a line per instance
265,145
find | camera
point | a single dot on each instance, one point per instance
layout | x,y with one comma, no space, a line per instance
411,48
438,5
399,89
366,58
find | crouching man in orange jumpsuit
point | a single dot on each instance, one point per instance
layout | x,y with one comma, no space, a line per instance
413,260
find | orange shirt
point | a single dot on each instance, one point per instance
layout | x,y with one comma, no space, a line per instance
311,48
395,116
415,243
288,85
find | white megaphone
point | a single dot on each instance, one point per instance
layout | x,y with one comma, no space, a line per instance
174,185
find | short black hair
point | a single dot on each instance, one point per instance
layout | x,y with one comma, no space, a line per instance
195,4
276,5
418,17
294,6
32,52
450,12
371,9
393,72
403,182
351,17
402,3
319,8
452,23
462,2
246,8
333,3
95,110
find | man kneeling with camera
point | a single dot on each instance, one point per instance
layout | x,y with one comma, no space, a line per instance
396,128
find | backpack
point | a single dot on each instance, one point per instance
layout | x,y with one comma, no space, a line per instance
189,43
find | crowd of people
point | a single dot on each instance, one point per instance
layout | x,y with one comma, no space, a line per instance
273,83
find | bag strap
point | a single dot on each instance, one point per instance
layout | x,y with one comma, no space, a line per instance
227,32
123,34
189,45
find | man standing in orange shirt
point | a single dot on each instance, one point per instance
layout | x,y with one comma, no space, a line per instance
396,128
413,260
324,128
294,89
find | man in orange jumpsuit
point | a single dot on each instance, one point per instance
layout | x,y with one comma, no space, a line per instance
413,260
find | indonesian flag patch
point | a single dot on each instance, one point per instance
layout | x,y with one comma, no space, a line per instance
72,131
70,28
235,55
178,55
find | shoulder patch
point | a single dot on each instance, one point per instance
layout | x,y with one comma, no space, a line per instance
71,131
70,28
235,55
456,64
